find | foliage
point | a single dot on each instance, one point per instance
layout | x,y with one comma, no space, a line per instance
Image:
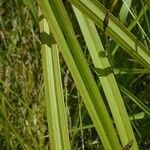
23,122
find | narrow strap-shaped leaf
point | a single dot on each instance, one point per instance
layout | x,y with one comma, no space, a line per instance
56,113
108,81
124,11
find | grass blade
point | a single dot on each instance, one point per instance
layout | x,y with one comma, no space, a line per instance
57,120
124,11
135,100
108,81
31,7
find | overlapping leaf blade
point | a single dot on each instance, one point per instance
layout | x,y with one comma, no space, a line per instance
72,53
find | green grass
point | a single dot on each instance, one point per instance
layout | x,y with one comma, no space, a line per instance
99,105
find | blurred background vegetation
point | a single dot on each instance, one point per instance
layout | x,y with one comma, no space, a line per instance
23,123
